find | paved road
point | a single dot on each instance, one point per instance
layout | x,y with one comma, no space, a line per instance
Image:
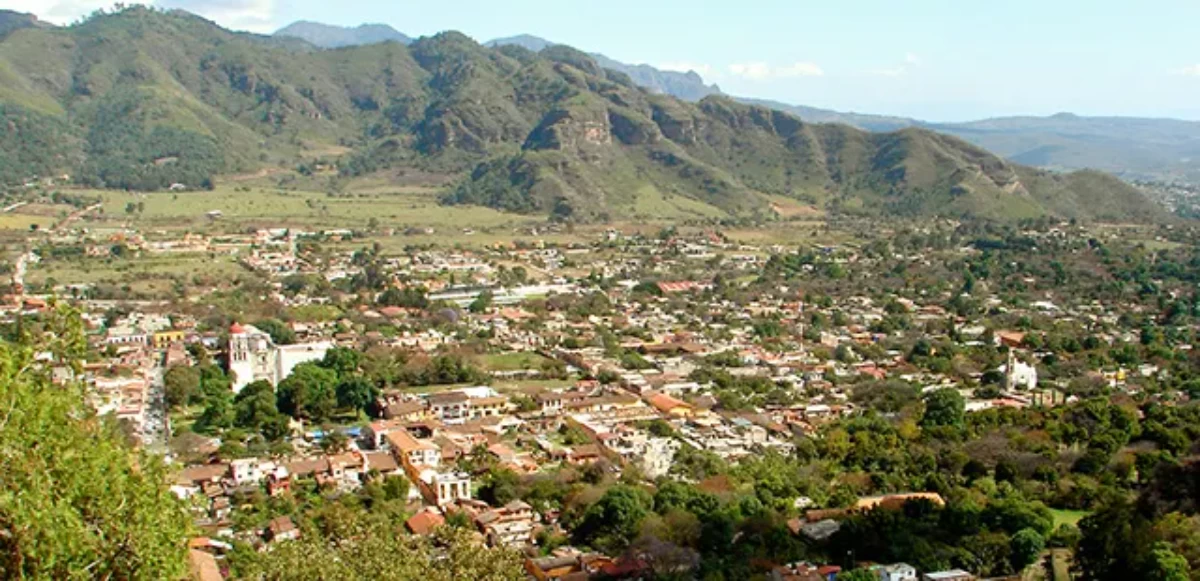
155,432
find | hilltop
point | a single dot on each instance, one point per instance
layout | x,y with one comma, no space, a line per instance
143,99
1134,148
328,36
11,21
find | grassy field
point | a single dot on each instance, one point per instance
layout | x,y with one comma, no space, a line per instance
242,207
511,361
152,274
649,202
24,222
810,232
1070,517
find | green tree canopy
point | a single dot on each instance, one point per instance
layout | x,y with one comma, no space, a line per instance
308,393
75,502
944,407
280,333
181,384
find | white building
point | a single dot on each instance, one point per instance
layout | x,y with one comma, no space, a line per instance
1018,374
249,470
897,572
446,487
253,356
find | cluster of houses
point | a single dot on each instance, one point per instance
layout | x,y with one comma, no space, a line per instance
646,344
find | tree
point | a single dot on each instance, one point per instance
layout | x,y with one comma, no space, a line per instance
75,501
181,385
396,487
280,333
612,522
499,486
1108,543
356,392
1026,546
364,548
482,303
944,407
342,360
858,575
255,408
1166,565
218,414
308,393
411,297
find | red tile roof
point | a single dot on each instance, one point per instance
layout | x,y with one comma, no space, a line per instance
424,522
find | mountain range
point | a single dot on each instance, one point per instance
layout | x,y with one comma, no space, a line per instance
1134,148
142,99
328,36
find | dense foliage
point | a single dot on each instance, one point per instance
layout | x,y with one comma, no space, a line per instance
156,99
75,501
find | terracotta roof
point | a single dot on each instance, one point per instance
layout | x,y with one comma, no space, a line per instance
400,440
307,466
203,473
203,566
424,522
382,461
449,397
665,403
404,408
280,525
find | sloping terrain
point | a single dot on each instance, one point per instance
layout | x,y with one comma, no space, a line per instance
142,99
328,36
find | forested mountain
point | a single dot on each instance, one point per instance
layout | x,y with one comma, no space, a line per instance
1134,148
688,86
142,99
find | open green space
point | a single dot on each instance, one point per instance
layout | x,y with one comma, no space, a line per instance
1069,517
513,361
146,274
241,207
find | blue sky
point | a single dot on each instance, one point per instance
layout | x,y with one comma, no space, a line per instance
941,60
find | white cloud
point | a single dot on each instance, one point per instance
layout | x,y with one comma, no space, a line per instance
753,71
253,15
1189,71
911,61
56,11
760,71
800,70
686,66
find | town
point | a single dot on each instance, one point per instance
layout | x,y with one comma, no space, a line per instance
582,404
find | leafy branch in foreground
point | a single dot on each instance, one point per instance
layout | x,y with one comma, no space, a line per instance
75,501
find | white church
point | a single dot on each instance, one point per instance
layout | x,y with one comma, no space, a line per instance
253,356
1018,374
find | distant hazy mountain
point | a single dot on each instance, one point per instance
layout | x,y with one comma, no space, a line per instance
1131,147
525,41
688,86
1134,148
859,120
328,36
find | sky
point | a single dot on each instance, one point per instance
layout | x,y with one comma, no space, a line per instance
937,60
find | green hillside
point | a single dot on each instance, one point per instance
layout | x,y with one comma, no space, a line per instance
143,99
